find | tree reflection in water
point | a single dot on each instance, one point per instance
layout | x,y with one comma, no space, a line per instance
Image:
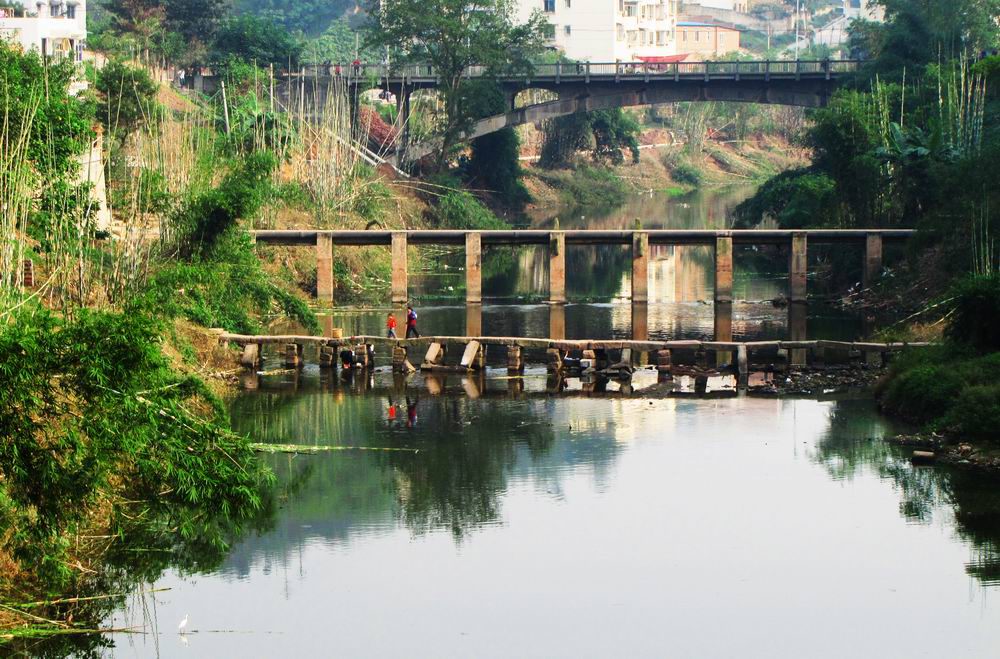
467,453
854,442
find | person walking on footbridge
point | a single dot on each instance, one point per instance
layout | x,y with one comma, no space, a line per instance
390,326
411,323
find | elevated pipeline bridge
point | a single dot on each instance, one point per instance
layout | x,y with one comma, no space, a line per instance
556,242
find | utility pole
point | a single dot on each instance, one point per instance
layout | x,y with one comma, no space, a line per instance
798,9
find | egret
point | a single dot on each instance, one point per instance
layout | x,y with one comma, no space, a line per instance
181,628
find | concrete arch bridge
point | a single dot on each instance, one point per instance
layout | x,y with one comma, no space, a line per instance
583,86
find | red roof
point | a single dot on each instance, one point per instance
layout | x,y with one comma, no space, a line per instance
662,59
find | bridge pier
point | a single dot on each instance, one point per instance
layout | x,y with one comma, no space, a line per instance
324,268
399,283
723,271
873,259
557,321
798,267
723,331
473,319
640,266
473,268
557,267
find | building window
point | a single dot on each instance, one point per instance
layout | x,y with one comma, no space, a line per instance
550,6
70,11
619,32
54,11
549,31
569,4
567,30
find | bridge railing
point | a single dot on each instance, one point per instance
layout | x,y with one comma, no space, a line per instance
604,70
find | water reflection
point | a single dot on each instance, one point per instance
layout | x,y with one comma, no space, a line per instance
635,524
852,447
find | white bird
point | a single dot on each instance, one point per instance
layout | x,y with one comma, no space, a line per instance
181,628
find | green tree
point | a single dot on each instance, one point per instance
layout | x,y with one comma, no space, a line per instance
127,98
605,132
453,35
256,40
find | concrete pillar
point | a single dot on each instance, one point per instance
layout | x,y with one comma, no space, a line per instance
873,258
798,317
473,268
798,267
473,320
557,267
557,322
723,269
324,268
640,321
723,331
640,266
399,294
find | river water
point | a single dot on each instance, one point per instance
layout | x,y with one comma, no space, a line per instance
487,517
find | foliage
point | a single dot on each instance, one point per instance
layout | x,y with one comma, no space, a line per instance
179,30
946,388
36,96
796,199
229,290
256,40
91,406
338,43
685,172
916,33
494,163
207,216
458,209
588,187
614,130
452,35
605,132
563,138
312,17
127,98
975,316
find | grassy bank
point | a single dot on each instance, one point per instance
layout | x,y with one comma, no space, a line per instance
951,389
110,458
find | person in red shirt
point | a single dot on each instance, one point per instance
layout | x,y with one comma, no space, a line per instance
390,325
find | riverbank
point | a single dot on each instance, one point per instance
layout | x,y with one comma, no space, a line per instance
661,168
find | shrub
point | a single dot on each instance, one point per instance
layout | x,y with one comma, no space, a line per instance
460,210
975,319
92,411
687,173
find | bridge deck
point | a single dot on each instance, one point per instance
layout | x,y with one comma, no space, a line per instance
578,236
561,344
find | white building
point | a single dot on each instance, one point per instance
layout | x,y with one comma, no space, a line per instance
57,28
741,6
608,30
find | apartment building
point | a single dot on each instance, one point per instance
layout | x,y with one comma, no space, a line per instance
56,28
608,30
706,40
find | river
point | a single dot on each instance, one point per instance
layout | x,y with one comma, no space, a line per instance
486,517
